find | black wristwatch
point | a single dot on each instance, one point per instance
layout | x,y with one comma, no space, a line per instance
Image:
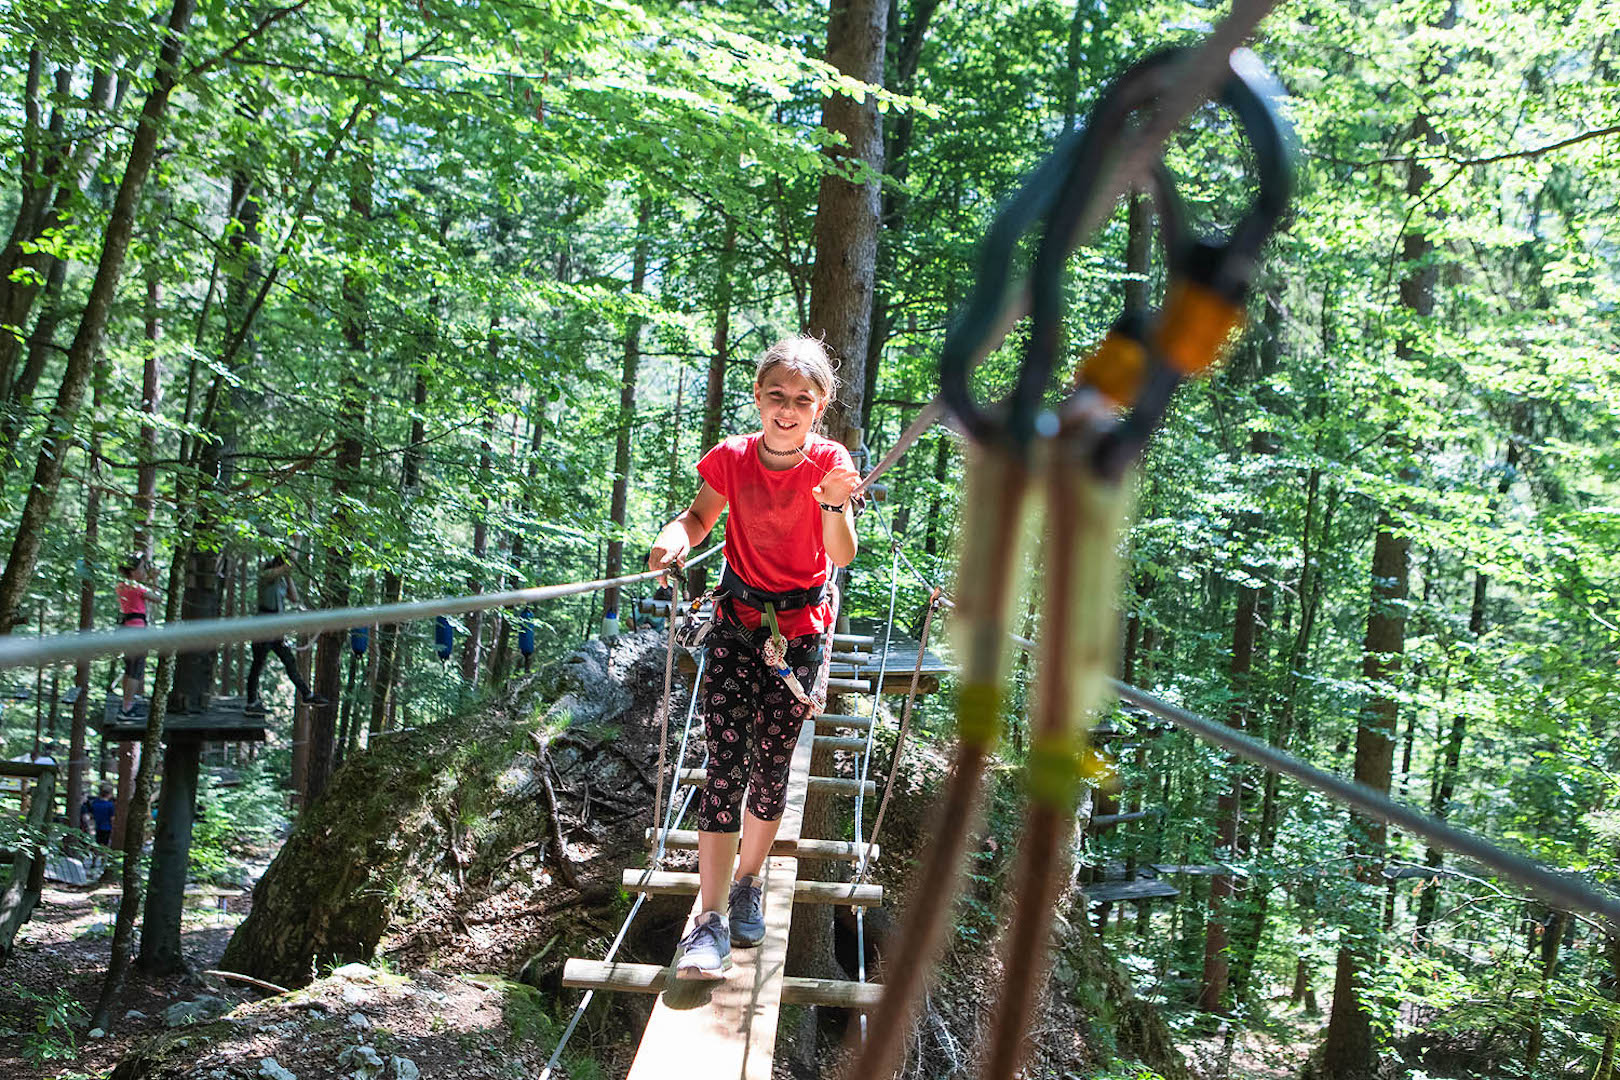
839,509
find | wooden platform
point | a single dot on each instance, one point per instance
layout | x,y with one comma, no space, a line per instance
1111,892
726,1030
222,722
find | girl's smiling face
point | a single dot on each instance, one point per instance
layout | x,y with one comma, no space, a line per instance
789,406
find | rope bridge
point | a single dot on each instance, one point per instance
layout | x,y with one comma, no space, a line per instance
1077,454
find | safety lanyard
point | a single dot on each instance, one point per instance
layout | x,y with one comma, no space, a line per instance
1073,460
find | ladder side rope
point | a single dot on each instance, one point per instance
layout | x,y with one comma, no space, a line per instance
1565,889
663,706
200,634
866,764
661,835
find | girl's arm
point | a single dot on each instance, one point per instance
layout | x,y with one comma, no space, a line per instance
838,526
687,531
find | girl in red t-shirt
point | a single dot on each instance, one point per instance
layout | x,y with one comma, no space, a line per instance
789,493
133,593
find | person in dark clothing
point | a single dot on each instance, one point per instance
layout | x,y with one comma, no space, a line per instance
98,813
276,588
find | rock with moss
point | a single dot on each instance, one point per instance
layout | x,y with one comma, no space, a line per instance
427,819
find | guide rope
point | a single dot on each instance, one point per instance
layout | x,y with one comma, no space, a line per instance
1559,889
201,634
866,765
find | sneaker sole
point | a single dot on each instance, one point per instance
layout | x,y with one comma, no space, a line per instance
738,941
697,974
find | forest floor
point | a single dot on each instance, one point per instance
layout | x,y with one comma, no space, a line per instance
56,973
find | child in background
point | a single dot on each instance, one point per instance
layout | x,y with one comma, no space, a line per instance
133,592
791,521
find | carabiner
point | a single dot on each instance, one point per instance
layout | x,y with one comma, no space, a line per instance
1142,360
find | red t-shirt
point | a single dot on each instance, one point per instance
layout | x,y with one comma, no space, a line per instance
132,598
773,534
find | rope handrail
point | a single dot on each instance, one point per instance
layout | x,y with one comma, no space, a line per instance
1561,889
198,634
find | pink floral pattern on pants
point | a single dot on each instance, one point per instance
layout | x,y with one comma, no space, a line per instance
751,721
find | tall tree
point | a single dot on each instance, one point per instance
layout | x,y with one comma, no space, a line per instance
338,554
59,425
626,422
840,311
848,209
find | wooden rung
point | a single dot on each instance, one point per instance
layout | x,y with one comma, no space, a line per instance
839,742
674,883
849,686
825,850
831,785
851,658
838,785
857,640
650,978
831,721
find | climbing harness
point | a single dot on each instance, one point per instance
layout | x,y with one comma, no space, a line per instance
1074,455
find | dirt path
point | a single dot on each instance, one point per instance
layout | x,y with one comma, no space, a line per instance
59,962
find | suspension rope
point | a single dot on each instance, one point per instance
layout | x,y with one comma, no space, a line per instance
866,765
900,740
1560,889
202,634
660,837
670,626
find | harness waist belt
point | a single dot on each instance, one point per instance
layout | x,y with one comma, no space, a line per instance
739,589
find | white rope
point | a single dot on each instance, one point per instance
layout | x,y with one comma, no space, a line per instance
203,634
866,769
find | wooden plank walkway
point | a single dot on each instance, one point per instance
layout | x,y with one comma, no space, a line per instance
723,1030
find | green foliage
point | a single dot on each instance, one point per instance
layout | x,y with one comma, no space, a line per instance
236,819
57,1016
509,147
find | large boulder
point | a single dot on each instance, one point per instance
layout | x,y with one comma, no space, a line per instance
428,822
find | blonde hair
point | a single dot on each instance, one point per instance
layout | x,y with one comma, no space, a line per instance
804,356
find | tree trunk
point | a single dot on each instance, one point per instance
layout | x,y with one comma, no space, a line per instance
14,420
846,228
897,166
840,310
1229,812
627,419
714,397
339,557
472,651
1445,784
19,572
46,197
393,581
87,604
146,473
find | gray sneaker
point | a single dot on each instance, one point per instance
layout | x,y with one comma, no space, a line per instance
747,912
705,952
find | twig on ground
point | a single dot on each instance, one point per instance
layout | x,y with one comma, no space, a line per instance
250,980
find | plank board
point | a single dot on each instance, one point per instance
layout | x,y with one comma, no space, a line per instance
1108,892
676,883
856,665
651,978
831,850
721,1030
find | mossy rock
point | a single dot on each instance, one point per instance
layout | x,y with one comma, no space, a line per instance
427,815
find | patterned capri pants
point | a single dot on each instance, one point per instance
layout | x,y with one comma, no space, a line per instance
751,722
